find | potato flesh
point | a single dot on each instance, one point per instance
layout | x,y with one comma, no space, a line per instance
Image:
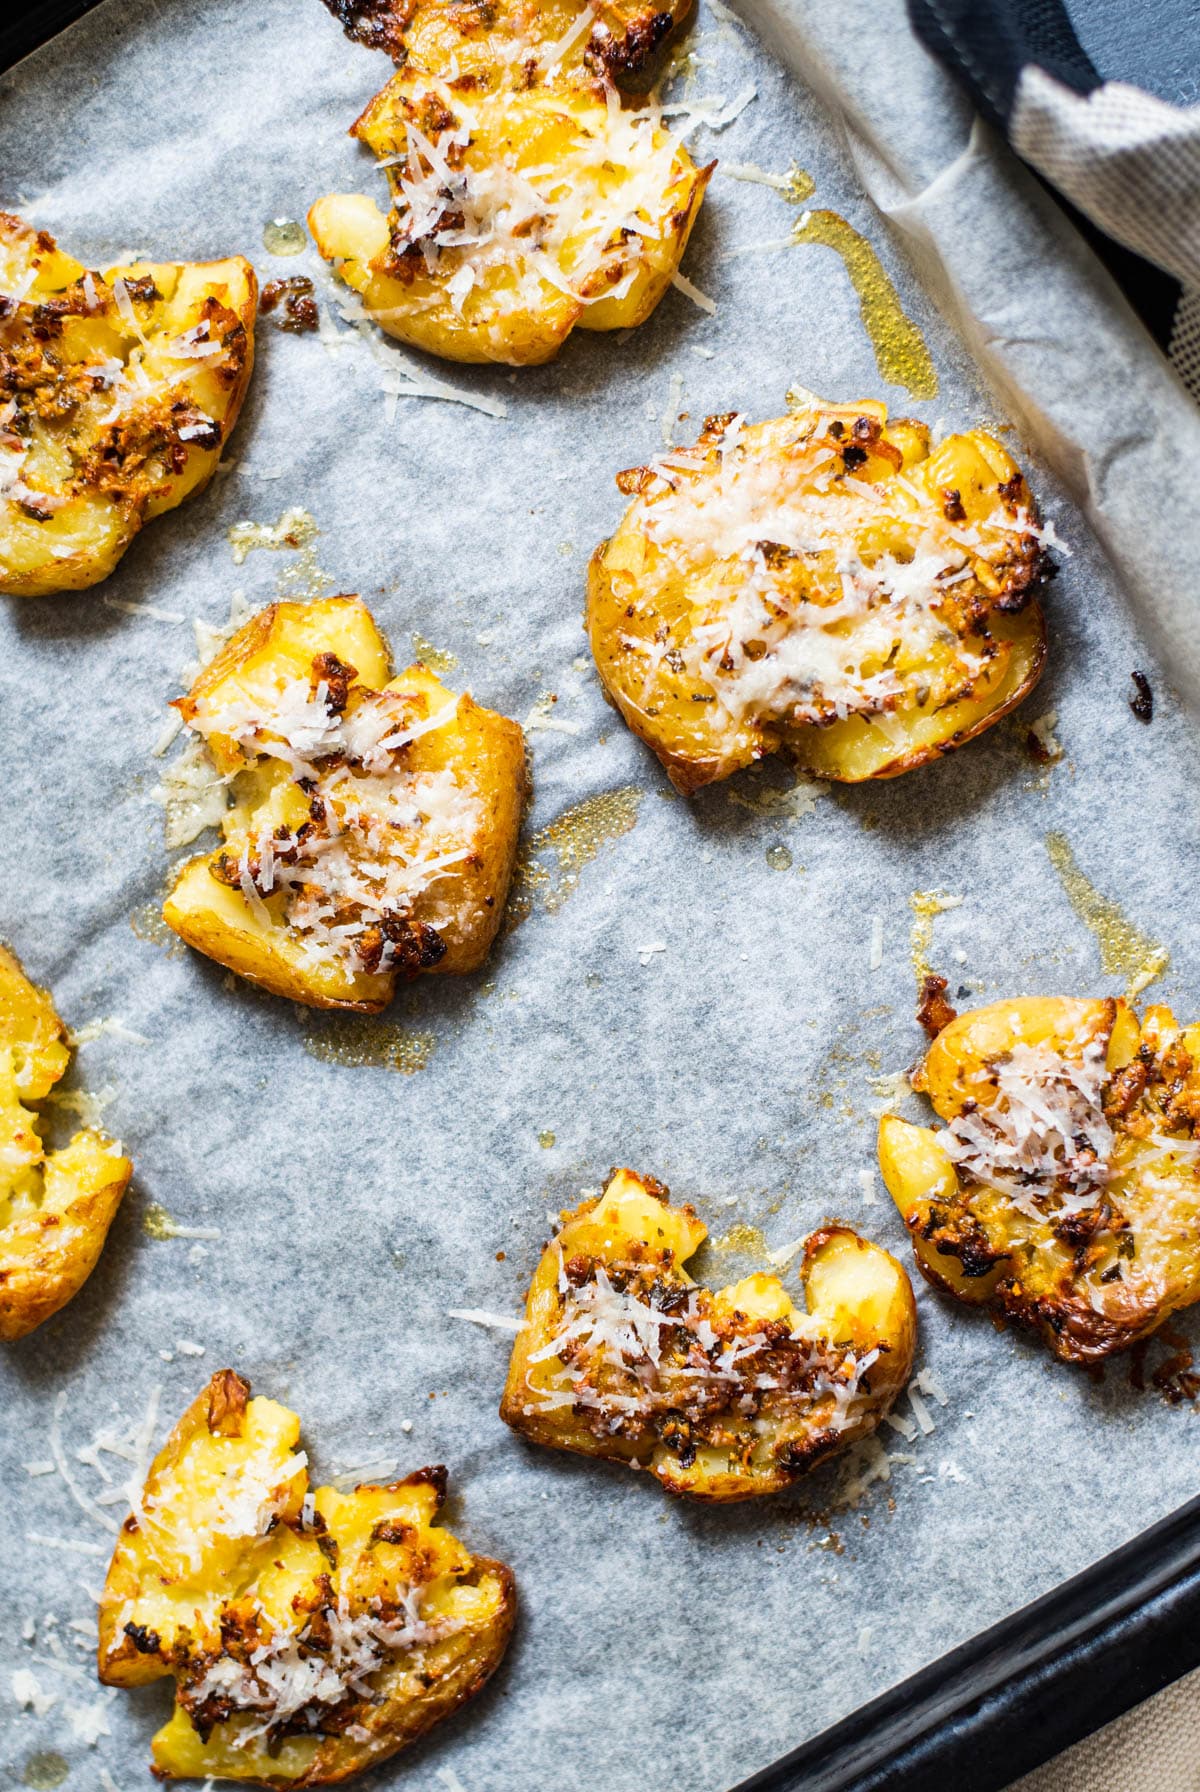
468,768
1090,1282
757,596
523,206
614,1278
55,1207
112,416
222,1560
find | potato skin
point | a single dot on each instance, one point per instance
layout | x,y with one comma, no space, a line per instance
90,481
55,1208
649,592
182,1593
698,1443
483,751
1087,1281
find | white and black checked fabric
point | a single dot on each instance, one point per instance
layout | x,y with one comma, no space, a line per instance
1126,160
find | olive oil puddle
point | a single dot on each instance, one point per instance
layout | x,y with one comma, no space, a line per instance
551,860
900,351
361,1042
1125,951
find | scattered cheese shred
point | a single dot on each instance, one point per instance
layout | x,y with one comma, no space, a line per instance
693,292
495,1322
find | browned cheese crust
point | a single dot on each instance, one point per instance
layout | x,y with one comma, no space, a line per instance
117,394
1064,1192
826,586
722,1395
309,1635
527,198
374,823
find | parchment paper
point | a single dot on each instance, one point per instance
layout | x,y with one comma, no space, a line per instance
673,1001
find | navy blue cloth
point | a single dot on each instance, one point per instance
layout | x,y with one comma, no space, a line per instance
1154,44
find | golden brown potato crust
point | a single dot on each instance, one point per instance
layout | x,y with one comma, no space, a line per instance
310,1635
619,39
823,586
527,200
374,825
1065,1190
725,1395
117,393
55,1207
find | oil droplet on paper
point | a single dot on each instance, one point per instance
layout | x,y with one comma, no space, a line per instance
798,184
148,924
571,842
900,351
925,904
546,1140
1125,951
44,1770
779,858
360,1042
284,236
436,658
296,531
747,1241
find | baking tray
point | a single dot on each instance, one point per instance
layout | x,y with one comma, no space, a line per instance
1018,1692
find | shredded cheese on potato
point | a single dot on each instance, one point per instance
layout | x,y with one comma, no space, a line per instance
378,834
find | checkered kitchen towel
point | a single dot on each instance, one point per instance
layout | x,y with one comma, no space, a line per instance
1123,151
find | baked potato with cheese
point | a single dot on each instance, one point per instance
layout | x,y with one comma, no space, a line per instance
1064,1190
526,199
619,38
827,586
722,1395
310,1634
373,825
55,1206
117,394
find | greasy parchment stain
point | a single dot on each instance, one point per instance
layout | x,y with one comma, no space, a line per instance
925,904
438,659
742,1240
1125,951
901,353
148,924
550,862
296,531
360,1042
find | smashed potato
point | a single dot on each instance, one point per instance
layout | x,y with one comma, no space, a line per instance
527,200
310,1634
117,393
826,586
373,828
620,38
724,1395
55,1206
1064,1192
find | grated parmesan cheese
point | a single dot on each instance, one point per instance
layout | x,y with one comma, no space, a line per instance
495,1322
29,1694
1044,1134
